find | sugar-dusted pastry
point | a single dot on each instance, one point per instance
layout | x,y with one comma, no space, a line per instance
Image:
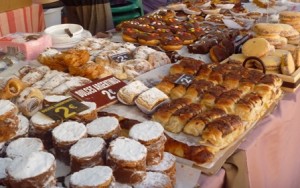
106,127
151,135
142,52
128,93
155,179
86,153
64,136
4,163
164,112
9,120
158,59
23,126
223,130
178,120
150,99
98,176
89,114
136,67
127,158
24,147
196,125
32,76
34,170
41,127
166,166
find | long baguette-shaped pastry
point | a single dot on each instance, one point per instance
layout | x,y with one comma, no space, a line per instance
199,154
249,107
163,114
209,97
196,125
223,131
181,117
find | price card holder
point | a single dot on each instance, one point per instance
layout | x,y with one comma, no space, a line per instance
103,91
119,58
64,109
185,80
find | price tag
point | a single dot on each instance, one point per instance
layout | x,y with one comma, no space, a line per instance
64,109
185,80
103,91
119,58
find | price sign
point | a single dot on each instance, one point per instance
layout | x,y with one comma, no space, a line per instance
103,91
64,109
119,58
185,80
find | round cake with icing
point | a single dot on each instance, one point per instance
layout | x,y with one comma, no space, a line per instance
34,170
4,163
87,152
105,127
23,147
155,179
89,114
98,176
127,157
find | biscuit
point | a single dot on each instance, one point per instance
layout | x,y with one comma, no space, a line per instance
289,15
287,65
271,63
257,47
267,29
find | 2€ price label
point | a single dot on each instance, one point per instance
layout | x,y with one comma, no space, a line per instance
119,58
185,80
64,109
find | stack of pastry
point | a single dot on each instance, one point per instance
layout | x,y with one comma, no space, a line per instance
153,139
277,61
290,17
86,153
290,33
127,158
64,136
9,120
272,33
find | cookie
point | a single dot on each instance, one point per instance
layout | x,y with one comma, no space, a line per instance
257,47
267,29
287,65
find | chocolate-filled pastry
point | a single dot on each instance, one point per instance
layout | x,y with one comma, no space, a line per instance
199,154
223,131
253,75
209,97
202,47
181,117
163,114
197,89
249,107
196,125
231,80
228,45
227,100
218,53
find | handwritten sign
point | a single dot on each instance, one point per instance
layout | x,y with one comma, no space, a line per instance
119,58
185,80
64,109
103,91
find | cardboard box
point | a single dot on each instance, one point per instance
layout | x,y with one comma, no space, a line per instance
6,5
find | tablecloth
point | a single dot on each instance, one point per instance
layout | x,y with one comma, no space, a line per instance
28,19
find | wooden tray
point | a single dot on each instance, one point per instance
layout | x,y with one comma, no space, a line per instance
290,83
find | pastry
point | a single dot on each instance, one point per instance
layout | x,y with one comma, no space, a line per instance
87,153
186,37
4,163
10,87
89,114
150,99
64,136
296,56
264,4
171,43
136,67
23,147
227,100
142,52
186,66
209,97
197,89
9,120
166,166
267,29
34,170
148,39
107,128
97,176
155,179
128,93
218,53
271,64
23,127
223,130
157,59
164,112
196,125
127,158
237,58
287,65
151,135
256,47
180,117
